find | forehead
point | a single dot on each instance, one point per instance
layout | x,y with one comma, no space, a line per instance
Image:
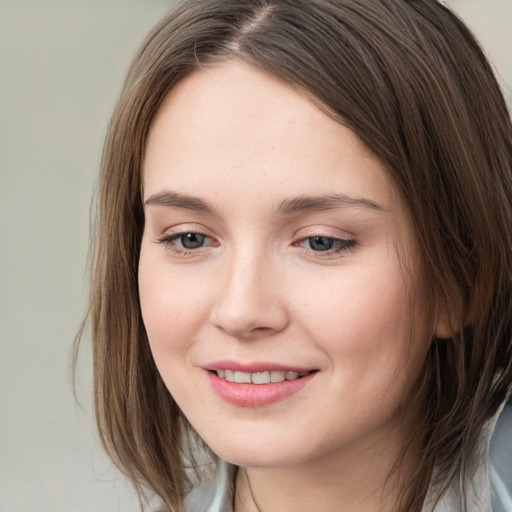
232,129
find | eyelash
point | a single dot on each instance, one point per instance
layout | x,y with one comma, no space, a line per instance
169,242
339,244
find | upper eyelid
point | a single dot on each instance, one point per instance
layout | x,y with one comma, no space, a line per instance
297,236
324,231
175,231
184,228
347,241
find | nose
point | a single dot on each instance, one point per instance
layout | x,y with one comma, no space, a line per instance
250,303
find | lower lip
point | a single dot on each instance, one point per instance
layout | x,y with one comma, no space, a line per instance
256,395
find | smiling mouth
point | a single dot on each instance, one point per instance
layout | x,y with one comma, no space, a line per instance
267,377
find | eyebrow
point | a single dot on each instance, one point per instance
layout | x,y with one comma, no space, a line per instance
299,204
176,200
325,202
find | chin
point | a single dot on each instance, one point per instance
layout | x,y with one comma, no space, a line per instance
250,451
257,458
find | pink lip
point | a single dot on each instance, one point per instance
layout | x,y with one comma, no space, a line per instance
256,395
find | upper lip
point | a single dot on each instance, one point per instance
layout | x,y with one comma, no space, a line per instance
255,367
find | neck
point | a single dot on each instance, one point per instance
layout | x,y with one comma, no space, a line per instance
355,480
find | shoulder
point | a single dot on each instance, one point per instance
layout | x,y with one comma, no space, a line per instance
487,486
500,467
215,494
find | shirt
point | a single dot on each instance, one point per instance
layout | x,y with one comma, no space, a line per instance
489,490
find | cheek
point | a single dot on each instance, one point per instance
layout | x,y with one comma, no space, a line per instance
363,321
172,307
356,305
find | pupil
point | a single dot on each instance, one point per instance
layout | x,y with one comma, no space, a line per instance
321,243
192,240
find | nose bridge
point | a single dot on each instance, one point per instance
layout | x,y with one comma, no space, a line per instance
250,302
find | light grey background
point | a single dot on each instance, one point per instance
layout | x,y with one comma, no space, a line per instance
61,68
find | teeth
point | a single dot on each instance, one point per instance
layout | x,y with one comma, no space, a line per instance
243,377
276,376
258,377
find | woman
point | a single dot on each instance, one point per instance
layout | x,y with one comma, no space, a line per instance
303,262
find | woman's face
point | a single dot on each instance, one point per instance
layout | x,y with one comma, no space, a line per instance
275,249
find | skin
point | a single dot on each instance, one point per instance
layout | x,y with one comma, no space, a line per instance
246,145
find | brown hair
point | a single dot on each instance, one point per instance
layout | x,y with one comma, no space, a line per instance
411,81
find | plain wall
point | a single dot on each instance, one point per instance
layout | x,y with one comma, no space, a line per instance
61,68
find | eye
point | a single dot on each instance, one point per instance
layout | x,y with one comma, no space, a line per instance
191,240
321,243
326,244
186,243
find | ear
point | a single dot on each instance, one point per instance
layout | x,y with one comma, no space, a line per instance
449,321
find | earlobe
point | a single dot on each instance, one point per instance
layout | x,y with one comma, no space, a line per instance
443,328
449,322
